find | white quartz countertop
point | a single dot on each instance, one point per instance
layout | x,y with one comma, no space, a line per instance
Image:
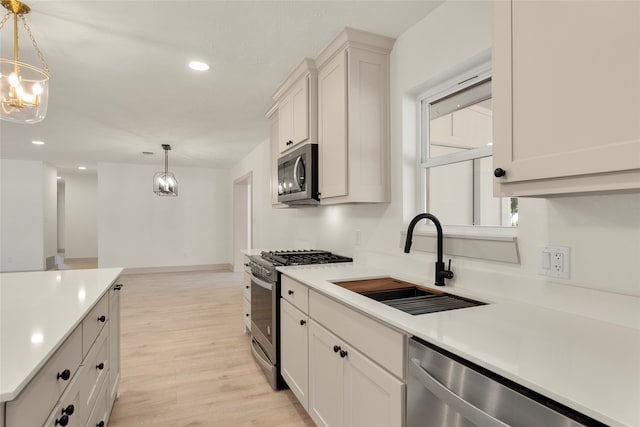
590,365
38,311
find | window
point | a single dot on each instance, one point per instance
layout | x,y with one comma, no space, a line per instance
456,167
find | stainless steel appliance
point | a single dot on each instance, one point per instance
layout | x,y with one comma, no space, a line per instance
298,176
265,304
444,390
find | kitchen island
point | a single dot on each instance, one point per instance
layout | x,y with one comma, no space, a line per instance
59,339
577,359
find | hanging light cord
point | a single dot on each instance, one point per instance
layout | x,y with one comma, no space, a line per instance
33,40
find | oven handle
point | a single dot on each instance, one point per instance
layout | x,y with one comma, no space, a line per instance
261,283
448,397
260,356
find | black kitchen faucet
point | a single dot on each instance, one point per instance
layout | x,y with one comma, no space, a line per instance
441,273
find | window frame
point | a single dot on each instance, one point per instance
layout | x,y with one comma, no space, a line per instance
454,81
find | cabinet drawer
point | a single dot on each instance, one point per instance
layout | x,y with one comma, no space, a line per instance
380,343
95,371
34,403
246,287
67,411
246,313
100,412
93,323
296,293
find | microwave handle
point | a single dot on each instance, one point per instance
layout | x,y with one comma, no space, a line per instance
295,171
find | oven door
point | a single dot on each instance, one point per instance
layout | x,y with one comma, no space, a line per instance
263,328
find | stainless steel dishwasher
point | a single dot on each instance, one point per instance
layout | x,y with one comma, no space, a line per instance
444,390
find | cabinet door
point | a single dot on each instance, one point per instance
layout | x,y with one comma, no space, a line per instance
372,396
294,351
566,96
325,378
300,101
332,127
285,124
114,343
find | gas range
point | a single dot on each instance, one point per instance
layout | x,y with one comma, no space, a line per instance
265,265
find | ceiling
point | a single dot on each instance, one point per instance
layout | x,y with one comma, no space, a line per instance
120,84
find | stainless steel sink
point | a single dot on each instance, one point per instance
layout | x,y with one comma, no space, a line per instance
408,297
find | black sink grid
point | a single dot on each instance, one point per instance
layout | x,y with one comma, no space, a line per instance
418,301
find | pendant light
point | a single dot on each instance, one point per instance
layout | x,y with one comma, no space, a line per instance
24,88
165,183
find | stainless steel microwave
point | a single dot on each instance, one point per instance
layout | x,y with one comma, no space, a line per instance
298,176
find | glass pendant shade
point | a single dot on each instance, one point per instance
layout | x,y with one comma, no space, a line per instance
24,89
165,183
24,92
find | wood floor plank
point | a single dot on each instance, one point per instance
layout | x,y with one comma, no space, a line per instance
186,361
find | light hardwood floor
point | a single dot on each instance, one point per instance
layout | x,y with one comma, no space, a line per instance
185,358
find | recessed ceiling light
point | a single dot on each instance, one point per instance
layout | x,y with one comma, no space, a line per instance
82,168
199,66
37,142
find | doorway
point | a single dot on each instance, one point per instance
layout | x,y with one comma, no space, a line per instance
242,218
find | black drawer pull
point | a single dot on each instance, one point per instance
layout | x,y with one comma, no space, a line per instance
63,421
102,318
100,424
64,375
303,322
499,172
290,292
100,366
247,314
336,348
69,410
343,354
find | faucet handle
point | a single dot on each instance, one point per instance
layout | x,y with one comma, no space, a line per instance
448,274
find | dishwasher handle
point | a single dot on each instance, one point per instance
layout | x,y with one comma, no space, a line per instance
466,409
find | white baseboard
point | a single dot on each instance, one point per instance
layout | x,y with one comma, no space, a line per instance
178,269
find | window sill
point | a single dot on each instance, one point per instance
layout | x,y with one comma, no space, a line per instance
487,243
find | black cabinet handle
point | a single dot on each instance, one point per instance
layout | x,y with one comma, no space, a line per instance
63,421
102,318
65,375
343,354
100,366
118,286
289,142
247,314
303,322
100,424
499,172
69,410
290,292
336,348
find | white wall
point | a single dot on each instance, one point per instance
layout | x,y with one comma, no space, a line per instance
139,229
50,208
81,215
21,215
270,227
61,216
602,231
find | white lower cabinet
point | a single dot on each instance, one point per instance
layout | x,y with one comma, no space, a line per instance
78,384
346,388
344,367
295,351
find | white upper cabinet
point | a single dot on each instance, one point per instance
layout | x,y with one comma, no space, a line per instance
353,118
566,96
297,107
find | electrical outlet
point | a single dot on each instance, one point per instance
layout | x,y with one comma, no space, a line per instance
555,261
